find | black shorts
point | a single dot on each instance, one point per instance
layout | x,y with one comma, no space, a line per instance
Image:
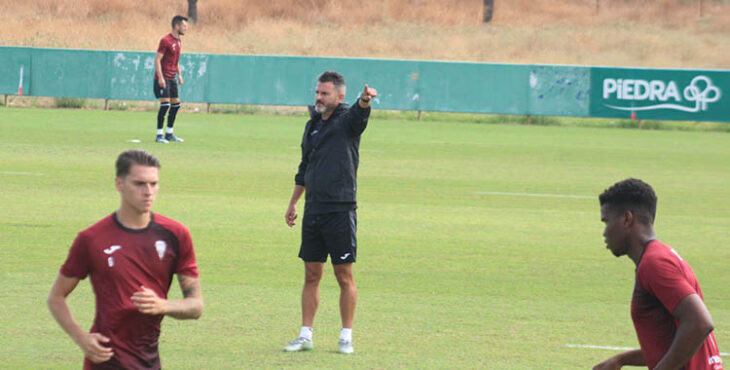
170,90
329,233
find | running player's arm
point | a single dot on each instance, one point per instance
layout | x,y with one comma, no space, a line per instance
90,343
189,307
628,358
695,324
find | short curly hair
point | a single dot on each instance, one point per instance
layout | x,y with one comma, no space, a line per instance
634,195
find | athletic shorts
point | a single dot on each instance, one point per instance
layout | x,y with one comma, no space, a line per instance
329,233
169,92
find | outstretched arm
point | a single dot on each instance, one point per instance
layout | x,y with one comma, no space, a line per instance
189,307
695,324
368,93
360,112
90,343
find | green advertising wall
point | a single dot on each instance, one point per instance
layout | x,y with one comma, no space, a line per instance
692,95
402,84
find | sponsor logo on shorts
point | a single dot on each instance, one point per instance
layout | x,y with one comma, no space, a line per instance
345,256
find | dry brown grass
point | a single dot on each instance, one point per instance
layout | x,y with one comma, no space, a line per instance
650,33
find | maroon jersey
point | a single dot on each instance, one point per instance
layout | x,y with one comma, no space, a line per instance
663,279
120,261
170,49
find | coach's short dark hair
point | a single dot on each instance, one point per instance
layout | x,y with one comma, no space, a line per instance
178,19
135,156
634,195
334,77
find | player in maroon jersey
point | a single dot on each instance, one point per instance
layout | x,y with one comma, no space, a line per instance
671,320
130,256
167,66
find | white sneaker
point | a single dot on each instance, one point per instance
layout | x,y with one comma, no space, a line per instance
171,137
346,346
299,344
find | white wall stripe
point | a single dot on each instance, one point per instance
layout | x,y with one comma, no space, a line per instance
536,195
615,348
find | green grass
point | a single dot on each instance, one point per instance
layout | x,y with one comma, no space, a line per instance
69,102
448,275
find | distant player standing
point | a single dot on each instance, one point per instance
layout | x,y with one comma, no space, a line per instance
130,256
328,173
167,66
672,323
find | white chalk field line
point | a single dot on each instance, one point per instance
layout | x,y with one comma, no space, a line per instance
16,173
536,195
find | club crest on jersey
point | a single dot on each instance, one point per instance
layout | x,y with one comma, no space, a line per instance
161,247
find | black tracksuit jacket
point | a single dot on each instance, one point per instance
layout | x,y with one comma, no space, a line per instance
328,170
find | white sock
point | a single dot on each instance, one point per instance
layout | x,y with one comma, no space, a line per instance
306,332
346,334
159,132
169,130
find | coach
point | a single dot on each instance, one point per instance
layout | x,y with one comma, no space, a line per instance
328,173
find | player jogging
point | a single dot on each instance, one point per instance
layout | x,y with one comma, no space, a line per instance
328,173
130,256
167,66
672,323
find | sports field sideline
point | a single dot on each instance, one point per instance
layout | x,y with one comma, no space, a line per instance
479,245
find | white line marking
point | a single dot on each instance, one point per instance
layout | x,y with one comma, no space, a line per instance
20,173
536,195
615,348
362,150
599,347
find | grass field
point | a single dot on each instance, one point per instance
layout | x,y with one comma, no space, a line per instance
452,272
